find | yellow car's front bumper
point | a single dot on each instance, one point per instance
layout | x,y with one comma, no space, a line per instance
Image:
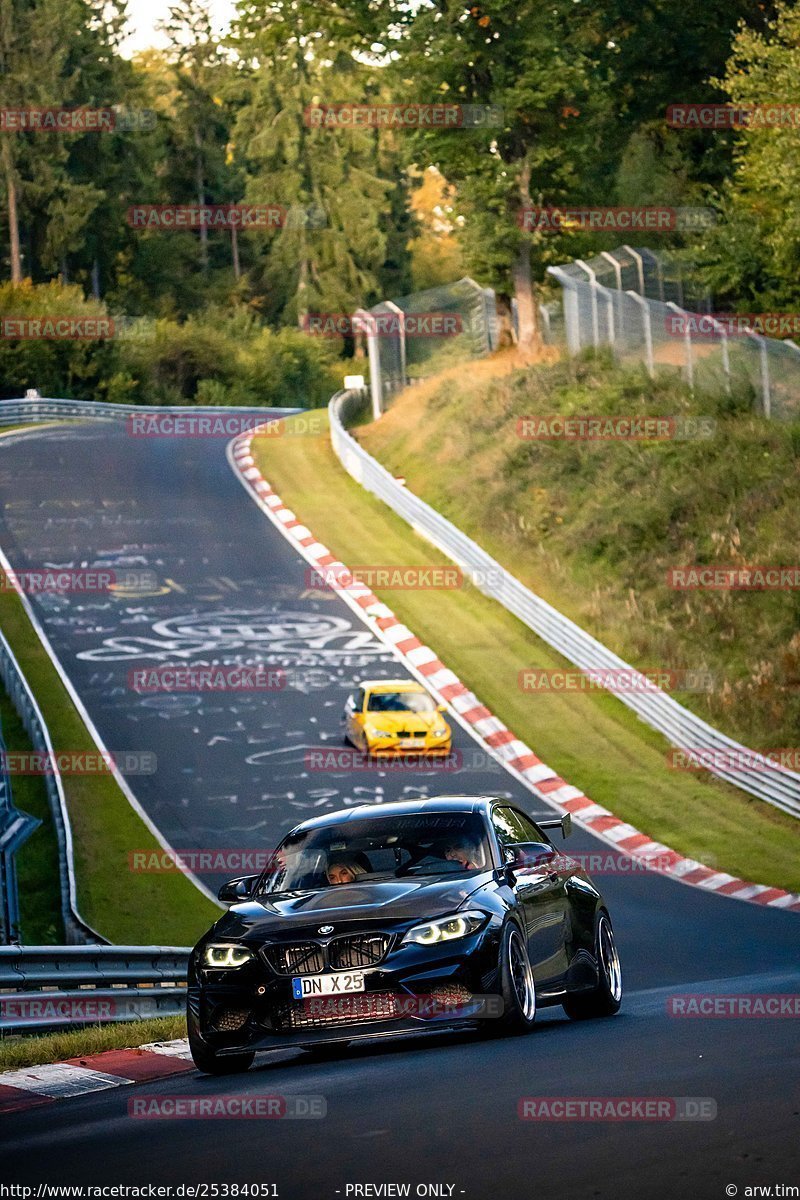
391,747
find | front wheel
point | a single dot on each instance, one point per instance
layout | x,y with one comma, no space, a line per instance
517,987
210,1063
605,999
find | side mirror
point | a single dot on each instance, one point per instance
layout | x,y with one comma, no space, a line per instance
441,708
563,823
236,889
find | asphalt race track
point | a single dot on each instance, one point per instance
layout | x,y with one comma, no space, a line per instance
233,771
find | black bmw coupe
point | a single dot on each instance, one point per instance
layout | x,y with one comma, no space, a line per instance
411,916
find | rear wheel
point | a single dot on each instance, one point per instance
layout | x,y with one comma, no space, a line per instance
517,987
605,999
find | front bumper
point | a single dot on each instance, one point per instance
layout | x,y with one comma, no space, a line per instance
414,989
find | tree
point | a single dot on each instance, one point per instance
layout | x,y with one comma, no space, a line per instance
522,59
337,184
752,255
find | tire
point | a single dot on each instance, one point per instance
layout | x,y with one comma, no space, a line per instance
210,1063
517,987
605,999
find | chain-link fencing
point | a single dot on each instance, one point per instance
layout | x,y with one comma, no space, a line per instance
638,303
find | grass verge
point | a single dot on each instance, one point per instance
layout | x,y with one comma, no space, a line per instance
35,1050
596,526
125,906
592,740
37,858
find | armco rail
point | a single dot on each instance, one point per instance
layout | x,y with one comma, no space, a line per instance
76,929
20,412
726,758
54,987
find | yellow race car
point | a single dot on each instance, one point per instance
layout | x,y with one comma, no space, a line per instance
396,716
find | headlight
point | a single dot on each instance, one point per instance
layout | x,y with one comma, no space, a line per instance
446,929
223,956
379,733
440,732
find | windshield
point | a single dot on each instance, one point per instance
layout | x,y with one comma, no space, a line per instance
417,702
377,849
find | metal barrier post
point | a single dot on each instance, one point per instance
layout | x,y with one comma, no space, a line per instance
367,322
637,258
687,342
648,331
593,293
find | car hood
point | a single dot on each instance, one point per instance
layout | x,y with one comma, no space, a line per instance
389,900
393,722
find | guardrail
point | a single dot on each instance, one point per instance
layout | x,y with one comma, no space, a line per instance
20,412
15,828
57,987
76,930
724,757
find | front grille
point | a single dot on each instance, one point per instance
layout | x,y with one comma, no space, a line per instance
413,733
298,958
359,950
324,1011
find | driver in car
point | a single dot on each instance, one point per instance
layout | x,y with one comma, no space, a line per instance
344,870
465,852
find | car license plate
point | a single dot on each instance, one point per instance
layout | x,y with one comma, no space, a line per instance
408,743
343,983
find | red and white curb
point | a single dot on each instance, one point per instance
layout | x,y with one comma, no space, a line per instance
31,1087
487,729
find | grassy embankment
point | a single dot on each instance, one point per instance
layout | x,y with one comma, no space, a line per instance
590,739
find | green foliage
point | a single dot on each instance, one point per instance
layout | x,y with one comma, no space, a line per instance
753,255
220,357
